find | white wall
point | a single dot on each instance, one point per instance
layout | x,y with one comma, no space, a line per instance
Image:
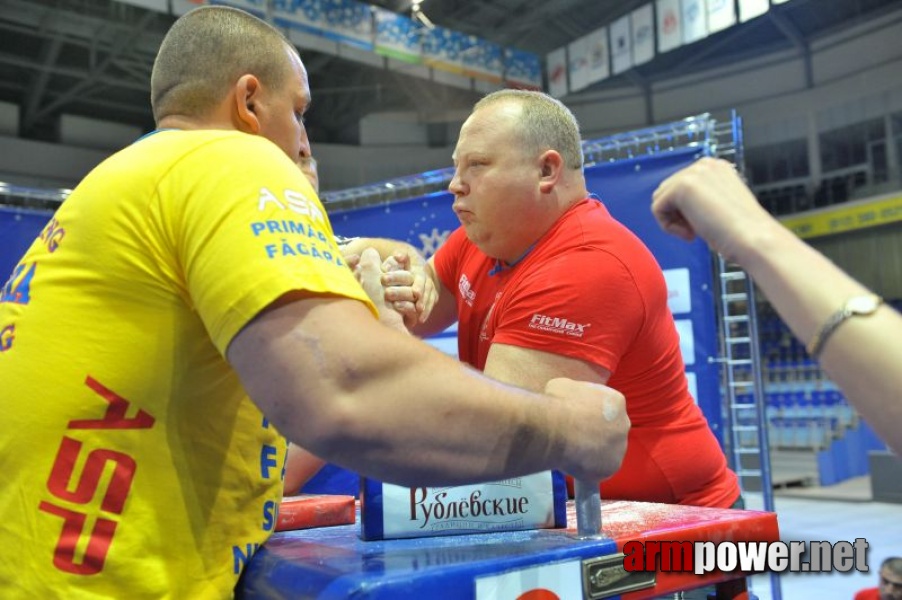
349,166
392,129
96,134
41,164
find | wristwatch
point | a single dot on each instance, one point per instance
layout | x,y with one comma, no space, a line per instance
855,306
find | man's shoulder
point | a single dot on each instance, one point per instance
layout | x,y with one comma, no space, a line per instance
214,140
193,154
173,145
595,229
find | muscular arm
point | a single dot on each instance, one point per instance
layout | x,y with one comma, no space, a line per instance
376,401
709,199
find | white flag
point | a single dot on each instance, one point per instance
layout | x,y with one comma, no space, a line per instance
749,9
598,54
721,14
669,25
557,72
695,26
621,45
578,63
643,26
778,1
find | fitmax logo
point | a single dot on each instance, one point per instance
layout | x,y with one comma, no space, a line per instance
557,325
465,290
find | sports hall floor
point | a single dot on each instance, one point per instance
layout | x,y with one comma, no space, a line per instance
841,512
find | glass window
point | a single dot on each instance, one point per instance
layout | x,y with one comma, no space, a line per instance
777,162
848,146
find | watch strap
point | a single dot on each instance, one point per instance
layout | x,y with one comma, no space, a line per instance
816,345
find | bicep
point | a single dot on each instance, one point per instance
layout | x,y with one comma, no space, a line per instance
532,369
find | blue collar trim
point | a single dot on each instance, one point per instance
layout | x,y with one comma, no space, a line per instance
500,265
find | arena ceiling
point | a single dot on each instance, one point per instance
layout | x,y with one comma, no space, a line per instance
93,57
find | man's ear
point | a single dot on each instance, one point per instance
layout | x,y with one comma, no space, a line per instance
552,165
247,98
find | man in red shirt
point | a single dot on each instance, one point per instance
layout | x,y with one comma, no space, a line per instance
545,283
890,587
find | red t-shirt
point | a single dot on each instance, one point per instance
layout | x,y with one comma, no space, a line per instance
868,594
590,289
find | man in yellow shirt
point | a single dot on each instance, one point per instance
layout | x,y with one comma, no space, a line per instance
185,310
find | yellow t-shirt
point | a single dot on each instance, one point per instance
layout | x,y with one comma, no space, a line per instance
133,463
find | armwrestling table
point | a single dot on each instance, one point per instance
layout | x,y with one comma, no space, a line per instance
331,563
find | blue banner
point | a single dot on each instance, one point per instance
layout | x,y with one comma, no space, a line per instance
625,187
18,229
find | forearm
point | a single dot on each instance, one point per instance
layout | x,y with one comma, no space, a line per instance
467,428
862,355
353,395
300,467
804,286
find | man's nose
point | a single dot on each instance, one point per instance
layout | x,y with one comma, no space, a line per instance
305,151
456,186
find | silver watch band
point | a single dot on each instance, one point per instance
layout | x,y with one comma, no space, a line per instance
857,306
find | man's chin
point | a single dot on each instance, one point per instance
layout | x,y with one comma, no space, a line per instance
483,246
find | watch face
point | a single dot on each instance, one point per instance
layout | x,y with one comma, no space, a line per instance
863,304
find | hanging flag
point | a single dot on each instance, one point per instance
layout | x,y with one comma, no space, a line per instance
749,9
578,63
598,55
721,14
669,25
643,27
621,45
556,67
588,59
695,26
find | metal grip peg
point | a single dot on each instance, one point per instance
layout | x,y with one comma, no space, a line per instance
588,510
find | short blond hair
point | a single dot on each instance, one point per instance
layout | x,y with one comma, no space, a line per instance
545,124
206,51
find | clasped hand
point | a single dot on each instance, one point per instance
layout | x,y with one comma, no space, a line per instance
406,285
